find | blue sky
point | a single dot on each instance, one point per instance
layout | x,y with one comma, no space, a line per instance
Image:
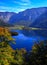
20,5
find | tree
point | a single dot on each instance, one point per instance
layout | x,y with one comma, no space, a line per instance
6,52
19,57
38,54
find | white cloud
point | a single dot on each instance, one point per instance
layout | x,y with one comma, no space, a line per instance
22,9
20,3
2,10
23,2
11,9
23,5
4,7
26,1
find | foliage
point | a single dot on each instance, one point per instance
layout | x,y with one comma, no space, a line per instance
38,54
6,52
19,57
9,56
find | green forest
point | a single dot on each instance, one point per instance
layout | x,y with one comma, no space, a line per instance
9,56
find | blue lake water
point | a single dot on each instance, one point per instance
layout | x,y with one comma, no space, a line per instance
26,40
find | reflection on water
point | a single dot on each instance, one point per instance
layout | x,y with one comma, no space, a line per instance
26,39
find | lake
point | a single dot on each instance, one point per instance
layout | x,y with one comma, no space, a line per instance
26,39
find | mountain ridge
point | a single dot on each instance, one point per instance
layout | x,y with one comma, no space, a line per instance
29,17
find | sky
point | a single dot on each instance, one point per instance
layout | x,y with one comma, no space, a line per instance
20,5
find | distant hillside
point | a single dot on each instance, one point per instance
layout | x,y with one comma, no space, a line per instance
3,24
35,17
5,16
41,21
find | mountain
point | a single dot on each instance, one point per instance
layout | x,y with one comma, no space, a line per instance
3,24
35,17
41,21
4,18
